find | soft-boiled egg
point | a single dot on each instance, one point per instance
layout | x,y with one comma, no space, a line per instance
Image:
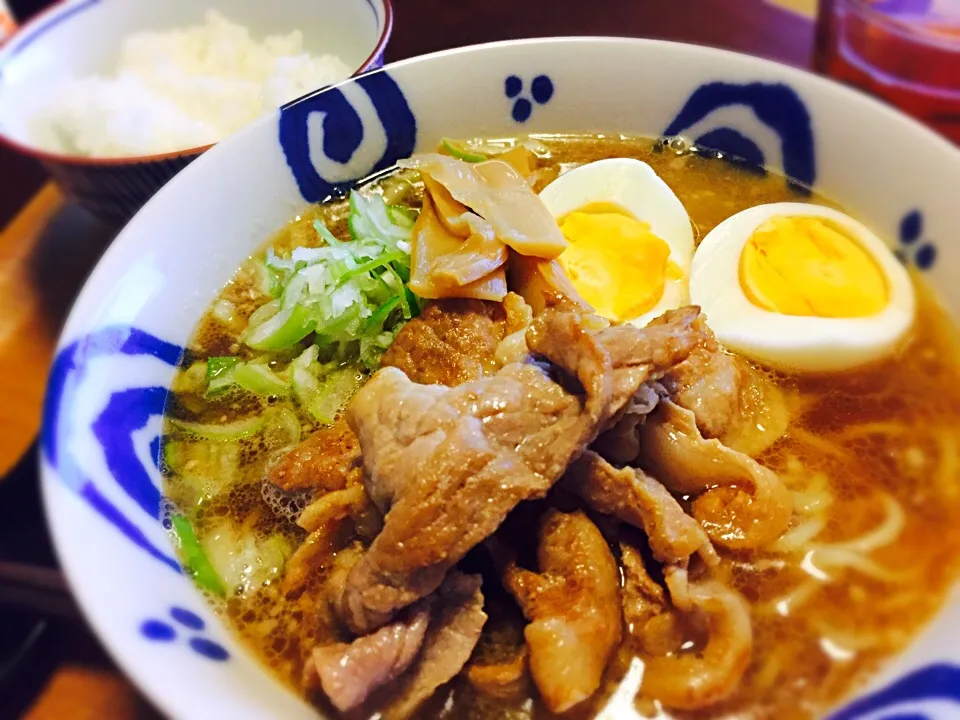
801,287
630,239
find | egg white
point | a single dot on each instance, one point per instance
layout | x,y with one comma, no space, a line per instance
634,186
790,342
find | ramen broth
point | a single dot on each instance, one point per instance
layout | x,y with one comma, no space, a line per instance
871,457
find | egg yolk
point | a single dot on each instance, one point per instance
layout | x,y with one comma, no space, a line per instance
615,261
812,267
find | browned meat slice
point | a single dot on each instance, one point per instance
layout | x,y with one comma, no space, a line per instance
455,625
740,503
643,597
505,680
573,605
732,400
708,383
620,444
333,507
705,675
329,459
452,342
349,673
697,676
447,465
631,495
323,519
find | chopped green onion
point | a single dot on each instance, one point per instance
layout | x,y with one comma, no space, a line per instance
236,430
404,302
286,328
198,565
328,237
281,428
370,265
412,301
461,153
370,219
259,379
374,324
322,399
220,373
403,216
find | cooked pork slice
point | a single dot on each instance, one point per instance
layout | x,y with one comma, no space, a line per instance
456,621
732,400
740,503
708,383
685,678
634,497
451,342
329,459
705,675
446,465
505,680
643,598
333,507
573,604
349,673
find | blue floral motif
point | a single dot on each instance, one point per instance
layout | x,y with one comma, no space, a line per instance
343,132
166,632
912,697
774,104
126,412
922,253
541,92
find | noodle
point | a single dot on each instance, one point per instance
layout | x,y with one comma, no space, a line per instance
884,534
839,557
799,596
794,540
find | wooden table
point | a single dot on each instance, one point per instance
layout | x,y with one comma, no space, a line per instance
49,247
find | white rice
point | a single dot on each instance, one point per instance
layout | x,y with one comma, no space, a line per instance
178,89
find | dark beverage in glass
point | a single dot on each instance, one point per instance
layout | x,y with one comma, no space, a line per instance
906,52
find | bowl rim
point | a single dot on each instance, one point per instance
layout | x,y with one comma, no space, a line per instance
63,7
138,671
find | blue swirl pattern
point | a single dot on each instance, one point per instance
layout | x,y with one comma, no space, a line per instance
343,132
127,411
774,104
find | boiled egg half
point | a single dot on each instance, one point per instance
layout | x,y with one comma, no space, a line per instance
802,287
630,239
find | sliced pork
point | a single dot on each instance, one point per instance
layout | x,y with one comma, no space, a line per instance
447,465
634,497
455,626
349,673
573,605
740,503
329,459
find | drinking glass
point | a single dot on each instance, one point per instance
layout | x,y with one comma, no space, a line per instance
906,52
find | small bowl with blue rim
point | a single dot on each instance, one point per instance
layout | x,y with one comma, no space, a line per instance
82,38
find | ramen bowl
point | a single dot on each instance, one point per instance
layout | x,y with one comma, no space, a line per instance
120,346
82,38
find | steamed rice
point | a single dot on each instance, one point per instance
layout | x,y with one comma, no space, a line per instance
179,89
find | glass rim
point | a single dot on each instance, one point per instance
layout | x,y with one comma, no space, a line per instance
912,31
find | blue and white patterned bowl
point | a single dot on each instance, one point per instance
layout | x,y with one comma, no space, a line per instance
82,37
117,354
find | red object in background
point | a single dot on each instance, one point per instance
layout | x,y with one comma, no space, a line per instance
906,52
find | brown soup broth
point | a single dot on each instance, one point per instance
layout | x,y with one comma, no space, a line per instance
871,455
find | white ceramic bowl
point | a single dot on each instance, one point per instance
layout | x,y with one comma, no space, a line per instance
82,37
118,350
